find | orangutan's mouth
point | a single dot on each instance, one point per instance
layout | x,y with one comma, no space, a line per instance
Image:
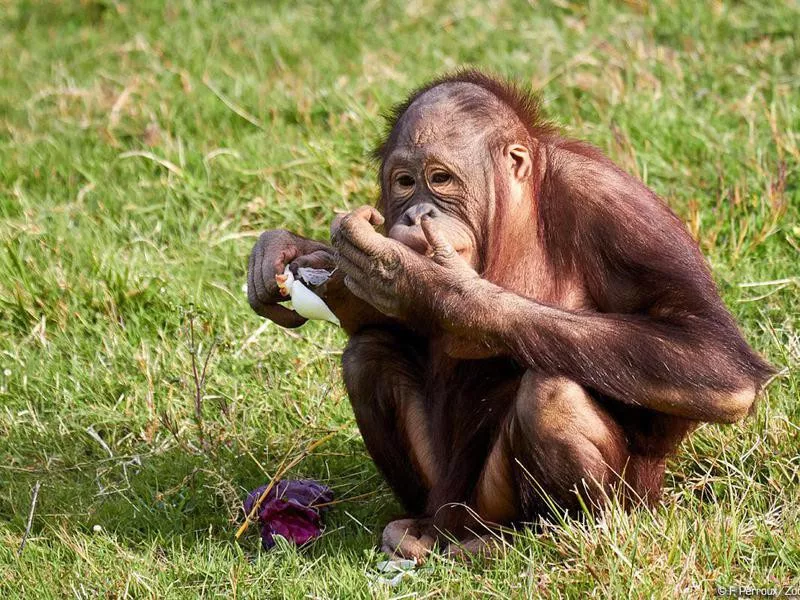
414,238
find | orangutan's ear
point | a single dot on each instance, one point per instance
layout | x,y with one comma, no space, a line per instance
518,158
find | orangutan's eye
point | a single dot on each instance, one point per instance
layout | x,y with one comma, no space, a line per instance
405,180
440,177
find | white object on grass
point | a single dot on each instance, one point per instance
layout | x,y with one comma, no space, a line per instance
304,302
392,572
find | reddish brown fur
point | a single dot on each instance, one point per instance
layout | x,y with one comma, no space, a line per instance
604,337
567,248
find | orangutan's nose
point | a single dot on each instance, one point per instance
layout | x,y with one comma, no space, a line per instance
414,214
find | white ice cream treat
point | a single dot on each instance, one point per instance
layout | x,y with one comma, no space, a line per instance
304,302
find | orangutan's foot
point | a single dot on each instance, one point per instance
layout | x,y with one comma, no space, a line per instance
408,538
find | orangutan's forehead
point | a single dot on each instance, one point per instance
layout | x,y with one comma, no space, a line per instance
450,111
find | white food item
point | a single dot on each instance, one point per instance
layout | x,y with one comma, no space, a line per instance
314,277
305,302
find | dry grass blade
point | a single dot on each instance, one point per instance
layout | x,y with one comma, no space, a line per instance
230,104
34,499
170,166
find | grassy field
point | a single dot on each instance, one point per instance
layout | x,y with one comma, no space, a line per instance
144,145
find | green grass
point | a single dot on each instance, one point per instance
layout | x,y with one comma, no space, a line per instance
144,145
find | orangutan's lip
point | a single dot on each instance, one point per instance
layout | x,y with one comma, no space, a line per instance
424,248
413,237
